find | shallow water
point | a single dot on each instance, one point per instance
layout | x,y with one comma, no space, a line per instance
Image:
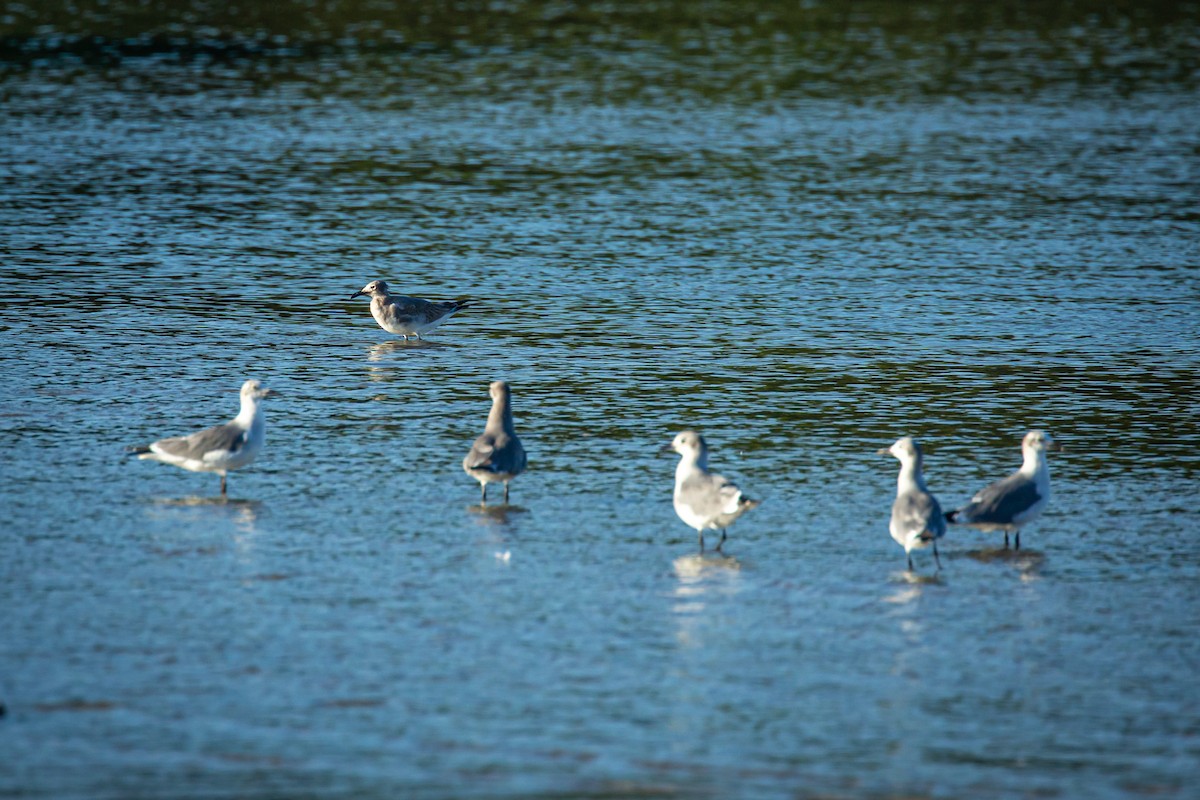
802,243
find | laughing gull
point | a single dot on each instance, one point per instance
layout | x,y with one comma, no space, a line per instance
1010,504
704,500
406,316
497,455
220,448
917,520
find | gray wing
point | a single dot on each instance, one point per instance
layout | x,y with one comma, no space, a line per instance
500,454
414,309
228,438
710,495
919,512
480,456
1001,502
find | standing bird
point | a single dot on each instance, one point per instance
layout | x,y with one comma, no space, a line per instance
1010,504
917,520
704,500
220,448
406,316
497,455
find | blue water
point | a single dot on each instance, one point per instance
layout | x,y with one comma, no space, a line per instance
653,240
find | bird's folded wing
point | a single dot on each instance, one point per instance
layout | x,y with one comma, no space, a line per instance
414,309
710,495
919,512
1003,500
398,317
219,440
481,453
731,495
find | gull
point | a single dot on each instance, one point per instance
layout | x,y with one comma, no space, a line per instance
917,520
497,455
220,448
704,500
1010,504
406,316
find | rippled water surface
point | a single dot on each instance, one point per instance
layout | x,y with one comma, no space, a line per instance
804,233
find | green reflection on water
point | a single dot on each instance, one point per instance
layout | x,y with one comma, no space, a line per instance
755,50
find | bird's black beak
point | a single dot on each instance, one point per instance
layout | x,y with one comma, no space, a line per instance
272,393
666,451
356,294
1056,447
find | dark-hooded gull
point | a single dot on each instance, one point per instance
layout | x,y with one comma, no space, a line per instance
406,316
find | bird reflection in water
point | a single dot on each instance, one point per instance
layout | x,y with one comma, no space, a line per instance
704,580
704,574
215,514
217,501
247,530
496,515
911,579
242,513
378,351
246,516
1019,558
1027,562
914,585
499,525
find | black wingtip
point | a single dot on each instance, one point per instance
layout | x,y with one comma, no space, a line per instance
950,515
137,449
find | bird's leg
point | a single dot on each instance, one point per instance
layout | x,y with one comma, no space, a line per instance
483,500
223,486
506,493
936,559
1006,540
910,566
701,540
722,540
1017,540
